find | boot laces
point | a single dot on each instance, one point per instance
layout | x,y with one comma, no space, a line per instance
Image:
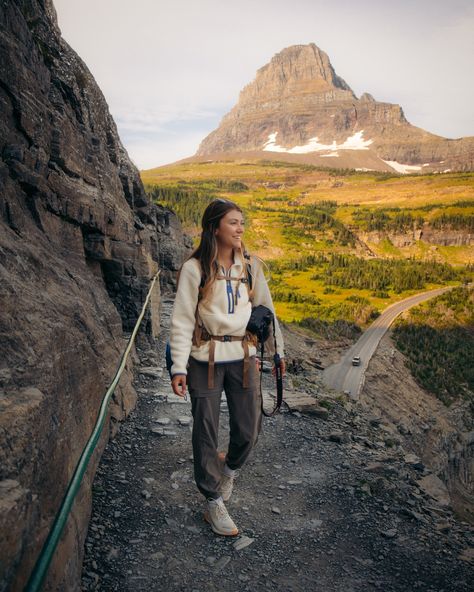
221,510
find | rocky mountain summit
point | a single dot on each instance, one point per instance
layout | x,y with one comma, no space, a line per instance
299,109
79,245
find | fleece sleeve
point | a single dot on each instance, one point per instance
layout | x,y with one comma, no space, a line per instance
261,295
183,316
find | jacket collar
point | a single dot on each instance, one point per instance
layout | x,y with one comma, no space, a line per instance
238,264
237,259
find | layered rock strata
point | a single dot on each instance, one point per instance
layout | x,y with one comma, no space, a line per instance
79,245
298,109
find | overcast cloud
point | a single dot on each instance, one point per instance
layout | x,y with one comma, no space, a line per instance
171,70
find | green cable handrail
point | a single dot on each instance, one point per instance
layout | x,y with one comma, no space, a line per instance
44,559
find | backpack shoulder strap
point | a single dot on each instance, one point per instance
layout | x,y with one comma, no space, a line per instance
249,283
197,325
249,272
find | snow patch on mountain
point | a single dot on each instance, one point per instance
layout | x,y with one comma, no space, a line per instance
354,142
402,168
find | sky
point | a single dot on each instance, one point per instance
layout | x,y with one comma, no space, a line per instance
171,70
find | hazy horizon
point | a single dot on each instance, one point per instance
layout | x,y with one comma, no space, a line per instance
170,73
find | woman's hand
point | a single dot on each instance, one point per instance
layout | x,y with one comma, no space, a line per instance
178,384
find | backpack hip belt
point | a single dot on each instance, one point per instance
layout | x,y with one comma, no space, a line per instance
245,339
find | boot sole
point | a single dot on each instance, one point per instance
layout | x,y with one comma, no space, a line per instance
207,519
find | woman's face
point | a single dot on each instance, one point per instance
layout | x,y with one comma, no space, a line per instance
230,230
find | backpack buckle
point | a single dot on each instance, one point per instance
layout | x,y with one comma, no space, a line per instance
227,338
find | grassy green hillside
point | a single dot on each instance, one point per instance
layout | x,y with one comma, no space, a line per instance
334,240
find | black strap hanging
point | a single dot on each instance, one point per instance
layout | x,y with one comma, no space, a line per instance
259,325
278,378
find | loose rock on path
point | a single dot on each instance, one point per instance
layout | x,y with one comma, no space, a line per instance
325,503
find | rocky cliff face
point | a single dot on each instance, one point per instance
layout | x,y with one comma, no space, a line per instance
79,245
430,235
299,108
401,413
441,436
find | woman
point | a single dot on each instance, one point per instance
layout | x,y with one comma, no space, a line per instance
211,352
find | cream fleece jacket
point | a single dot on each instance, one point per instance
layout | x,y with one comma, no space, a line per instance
220,315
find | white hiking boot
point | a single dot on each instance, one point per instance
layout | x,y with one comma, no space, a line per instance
227,482
219,519
226,486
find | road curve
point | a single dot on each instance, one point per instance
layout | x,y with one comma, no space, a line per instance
345,377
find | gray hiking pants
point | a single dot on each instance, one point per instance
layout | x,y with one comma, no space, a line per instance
245,419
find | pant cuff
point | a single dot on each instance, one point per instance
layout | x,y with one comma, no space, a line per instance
214,499
230,472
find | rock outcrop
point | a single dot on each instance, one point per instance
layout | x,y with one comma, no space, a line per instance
79,245
298,109
432,236
441,436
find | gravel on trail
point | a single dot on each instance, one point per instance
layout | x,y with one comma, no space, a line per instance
325,503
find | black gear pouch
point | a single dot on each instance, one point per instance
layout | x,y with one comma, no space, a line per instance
260,321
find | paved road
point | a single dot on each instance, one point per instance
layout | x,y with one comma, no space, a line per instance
345,377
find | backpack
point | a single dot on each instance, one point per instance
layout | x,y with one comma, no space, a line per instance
198,329
258,327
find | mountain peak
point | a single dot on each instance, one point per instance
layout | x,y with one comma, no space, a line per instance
298,107
295,73
307,64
